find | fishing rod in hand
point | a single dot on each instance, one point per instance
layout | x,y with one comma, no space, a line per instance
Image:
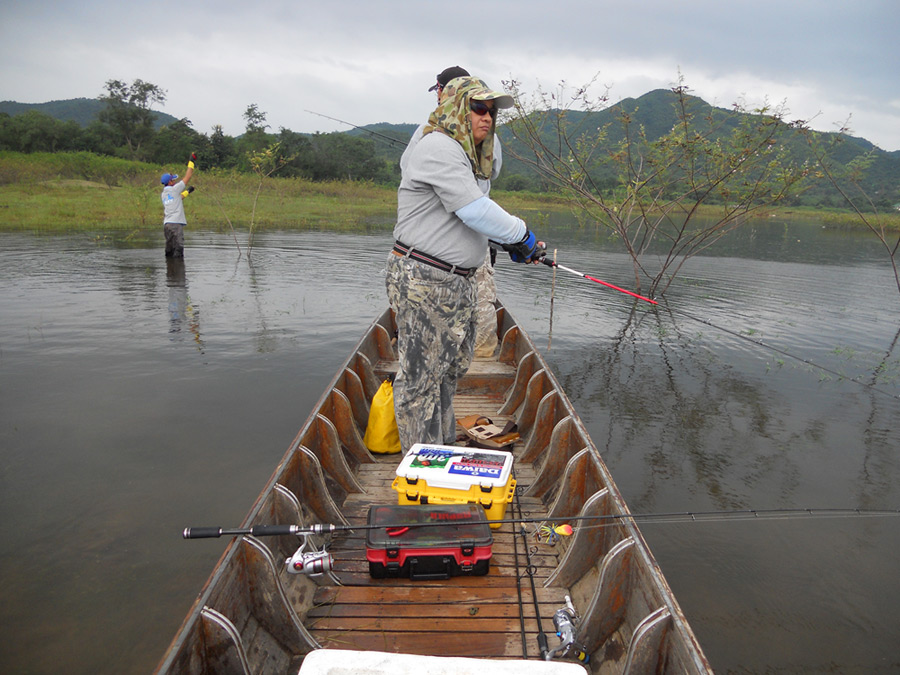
384,137
552,263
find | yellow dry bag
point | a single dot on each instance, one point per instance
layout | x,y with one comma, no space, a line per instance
381,431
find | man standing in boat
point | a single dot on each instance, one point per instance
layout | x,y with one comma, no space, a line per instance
444,222
485,287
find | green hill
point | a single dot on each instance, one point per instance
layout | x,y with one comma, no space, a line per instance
655,112
390,139
84,111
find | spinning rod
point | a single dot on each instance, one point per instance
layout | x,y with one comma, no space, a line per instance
385,137
598,520
552,263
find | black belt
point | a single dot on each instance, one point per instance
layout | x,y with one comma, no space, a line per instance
410,252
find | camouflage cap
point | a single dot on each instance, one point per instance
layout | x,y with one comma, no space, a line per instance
451,117
485,93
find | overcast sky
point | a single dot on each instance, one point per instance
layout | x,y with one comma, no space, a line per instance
368,62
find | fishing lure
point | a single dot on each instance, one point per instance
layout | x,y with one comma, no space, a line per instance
549,533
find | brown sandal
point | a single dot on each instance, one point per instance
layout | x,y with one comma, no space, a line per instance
484,433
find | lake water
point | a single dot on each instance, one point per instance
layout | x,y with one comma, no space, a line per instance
138,398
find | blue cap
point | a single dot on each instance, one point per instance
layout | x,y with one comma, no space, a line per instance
166,177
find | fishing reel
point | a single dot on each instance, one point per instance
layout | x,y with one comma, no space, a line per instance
565,620
311,563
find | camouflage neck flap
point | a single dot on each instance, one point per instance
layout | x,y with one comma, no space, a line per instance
451,117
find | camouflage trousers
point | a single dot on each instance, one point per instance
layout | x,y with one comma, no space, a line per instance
435,313
485,312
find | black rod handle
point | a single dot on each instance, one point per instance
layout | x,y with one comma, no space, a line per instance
256,531
273,530
201,532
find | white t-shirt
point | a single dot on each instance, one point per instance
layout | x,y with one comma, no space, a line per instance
173,203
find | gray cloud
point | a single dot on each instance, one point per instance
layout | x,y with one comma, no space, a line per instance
370,62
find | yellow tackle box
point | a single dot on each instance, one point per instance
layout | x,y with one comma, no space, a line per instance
444,474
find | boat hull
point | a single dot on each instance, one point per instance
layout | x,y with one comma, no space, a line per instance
254,616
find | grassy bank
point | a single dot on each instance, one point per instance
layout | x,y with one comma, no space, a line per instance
80,191
70,192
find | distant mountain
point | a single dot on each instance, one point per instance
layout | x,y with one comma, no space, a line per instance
390,139
84,111
655,112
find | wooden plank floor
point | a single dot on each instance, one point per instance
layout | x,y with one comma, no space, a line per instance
461,616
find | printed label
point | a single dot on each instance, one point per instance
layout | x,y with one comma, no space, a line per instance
431,458
478,465
455,463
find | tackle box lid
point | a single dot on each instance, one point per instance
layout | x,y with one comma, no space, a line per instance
456,468
427,526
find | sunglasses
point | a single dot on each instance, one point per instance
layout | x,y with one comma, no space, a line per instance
482,108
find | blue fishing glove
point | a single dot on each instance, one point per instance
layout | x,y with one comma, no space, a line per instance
527,250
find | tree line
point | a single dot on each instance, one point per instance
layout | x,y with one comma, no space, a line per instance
126,128
644,169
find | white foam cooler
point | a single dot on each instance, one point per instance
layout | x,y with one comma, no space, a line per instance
446,474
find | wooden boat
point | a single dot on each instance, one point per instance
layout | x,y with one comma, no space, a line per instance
252,616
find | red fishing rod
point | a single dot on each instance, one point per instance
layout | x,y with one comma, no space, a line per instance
552,263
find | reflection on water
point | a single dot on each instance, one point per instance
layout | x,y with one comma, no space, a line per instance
183,314
123,422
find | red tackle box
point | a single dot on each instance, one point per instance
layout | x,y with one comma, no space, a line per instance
428,541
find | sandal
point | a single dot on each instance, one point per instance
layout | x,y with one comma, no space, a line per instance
483,433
